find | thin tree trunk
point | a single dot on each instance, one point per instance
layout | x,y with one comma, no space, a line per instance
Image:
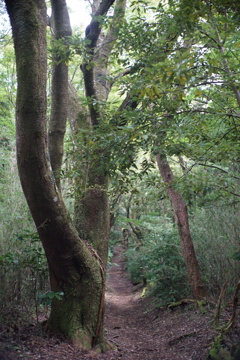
181,220
61,29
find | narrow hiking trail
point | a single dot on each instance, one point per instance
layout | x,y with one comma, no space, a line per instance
140,333
136,331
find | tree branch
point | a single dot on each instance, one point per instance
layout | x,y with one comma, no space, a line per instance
111,36
94,28
230,114
218,168
120,75
92,34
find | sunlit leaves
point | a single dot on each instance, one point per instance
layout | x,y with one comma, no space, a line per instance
180,80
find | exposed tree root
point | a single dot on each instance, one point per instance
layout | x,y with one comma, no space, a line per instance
179,338
183,302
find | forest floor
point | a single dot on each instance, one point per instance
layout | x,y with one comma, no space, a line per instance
136,329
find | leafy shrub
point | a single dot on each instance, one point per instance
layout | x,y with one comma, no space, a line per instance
215,232
160,263
23,273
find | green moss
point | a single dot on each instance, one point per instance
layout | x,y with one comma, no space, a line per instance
218,352
76,315
81,339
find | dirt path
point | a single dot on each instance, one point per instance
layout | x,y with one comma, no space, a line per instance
141,334
136,332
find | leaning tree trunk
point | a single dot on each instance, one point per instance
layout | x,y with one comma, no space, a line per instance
181,220
74,267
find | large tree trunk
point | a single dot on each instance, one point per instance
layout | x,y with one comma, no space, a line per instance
181,219
74,267
92,216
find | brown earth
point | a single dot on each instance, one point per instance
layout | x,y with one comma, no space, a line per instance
136,330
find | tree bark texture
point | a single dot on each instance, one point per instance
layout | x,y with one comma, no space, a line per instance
61,29
181,219
74,267
92,216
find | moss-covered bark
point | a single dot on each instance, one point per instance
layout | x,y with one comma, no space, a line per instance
76,315
92,219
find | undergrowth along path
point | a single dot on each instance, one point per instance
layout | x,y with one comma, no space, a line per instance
136,329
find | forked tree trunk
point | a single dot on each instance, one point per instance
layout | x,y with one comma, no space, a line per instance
74,268
181,219
92,215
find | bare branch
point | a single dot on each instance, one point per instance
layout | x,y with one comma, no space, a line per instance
218,168
94,28
120,75
230,114
111,36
